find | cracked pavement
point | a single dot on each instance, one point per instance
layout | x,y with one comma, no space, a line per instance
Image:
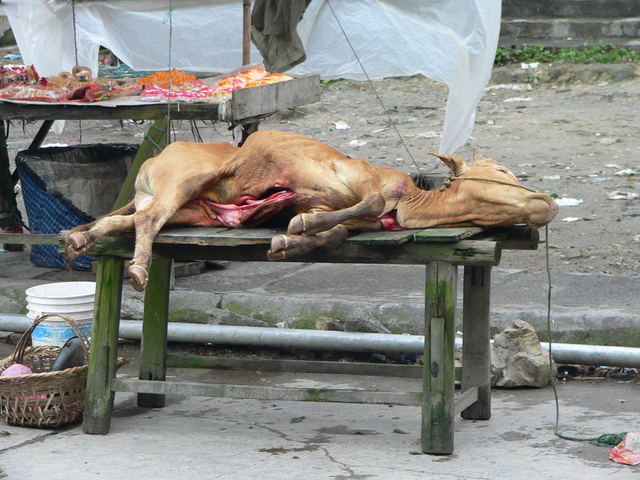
221,438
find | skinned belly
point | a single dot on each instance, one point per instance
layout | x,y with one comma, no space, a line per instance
245,210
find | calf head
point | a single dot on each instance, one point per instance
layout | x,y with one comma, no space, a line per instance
487,194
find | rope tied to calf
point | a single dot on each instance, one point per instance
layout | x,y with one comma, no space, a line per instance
447,182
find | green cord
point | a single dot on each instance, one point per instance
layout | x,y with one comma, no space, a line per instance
153,142
604,440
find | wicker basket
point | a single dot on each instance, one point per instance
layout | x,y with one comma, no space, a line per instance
43,399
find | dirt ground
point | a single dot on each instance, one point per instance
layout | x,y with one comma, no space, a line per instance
572,132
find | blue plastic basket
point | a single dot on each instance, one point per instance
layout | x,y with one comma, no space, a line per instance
51,212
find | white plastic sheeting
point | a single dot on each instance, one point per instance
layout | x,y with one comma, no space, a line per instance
451,41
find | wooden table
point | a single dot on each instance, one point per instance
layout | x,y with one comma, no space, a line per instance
441,251
246,108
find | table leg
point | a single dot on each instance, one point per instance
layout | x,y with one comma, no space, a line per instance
9,215
247,130
476,350
42,134
104,346
439,344
153,349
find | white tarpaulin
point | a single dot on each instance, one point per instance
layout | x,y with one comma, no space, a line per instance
451,41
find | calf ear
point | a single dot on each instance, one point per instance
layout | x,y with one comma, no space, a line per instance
477,156
455,163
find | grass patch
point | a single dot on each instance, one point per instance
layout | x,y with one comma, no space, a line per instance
600,53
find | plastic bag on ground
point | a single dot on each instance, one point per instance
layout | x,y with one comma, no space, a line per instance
627,452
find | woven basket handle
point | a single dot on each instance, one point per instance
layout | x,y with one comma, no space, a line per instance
24,340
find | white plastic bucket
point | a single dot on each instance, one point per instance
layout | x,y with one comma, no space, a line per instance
76,315
72,299
54,331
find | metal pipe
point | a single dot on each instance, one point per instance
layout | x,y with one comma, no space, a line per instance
260,336
563,353
284,338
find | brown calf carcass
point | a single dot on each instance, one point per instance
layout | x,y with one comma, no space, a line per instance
288,178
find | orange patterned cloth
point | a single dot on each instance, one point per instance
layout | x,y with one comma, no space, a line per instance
161,79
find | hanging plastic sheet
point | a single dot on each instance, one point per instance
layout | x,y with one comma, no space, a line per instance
451,41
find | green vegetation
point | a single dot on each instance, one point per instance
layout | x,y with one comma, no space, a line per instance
601,53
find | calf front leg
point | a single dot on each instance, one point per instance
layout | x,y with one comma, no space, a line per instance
158,209
148,223
372,205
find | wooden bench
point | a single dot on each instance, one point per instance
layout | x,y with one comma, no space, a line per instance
441,251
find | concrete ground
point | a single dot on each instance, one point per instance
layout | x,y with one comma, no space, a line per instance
217,438
207,438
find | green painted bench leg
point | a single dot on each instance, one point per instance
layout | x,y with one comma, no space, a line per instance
153,349
476,353
104,346
439,344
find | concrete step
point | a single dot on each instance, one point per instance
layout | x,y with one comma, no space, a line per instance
559,43
594,29
570,8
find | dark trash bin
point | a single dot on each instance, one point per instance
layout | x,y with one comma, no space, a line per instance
64,187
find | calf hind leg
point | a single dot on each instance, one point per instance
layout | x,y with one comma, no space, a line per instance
285,246
148,223
82,238
372,205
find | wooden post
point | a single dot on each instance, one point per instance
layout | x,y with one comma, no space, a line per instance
153,349
439,373
42,134
247,130
104,346
246,32
8,203
476,353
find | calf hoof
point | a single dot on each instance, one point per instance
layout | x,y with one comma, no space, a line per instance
76,245
138,277
297,224
278,250
286,246
308,224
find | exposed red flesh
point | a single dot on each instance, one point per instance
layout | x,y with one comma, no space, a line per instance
389,222
233,215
